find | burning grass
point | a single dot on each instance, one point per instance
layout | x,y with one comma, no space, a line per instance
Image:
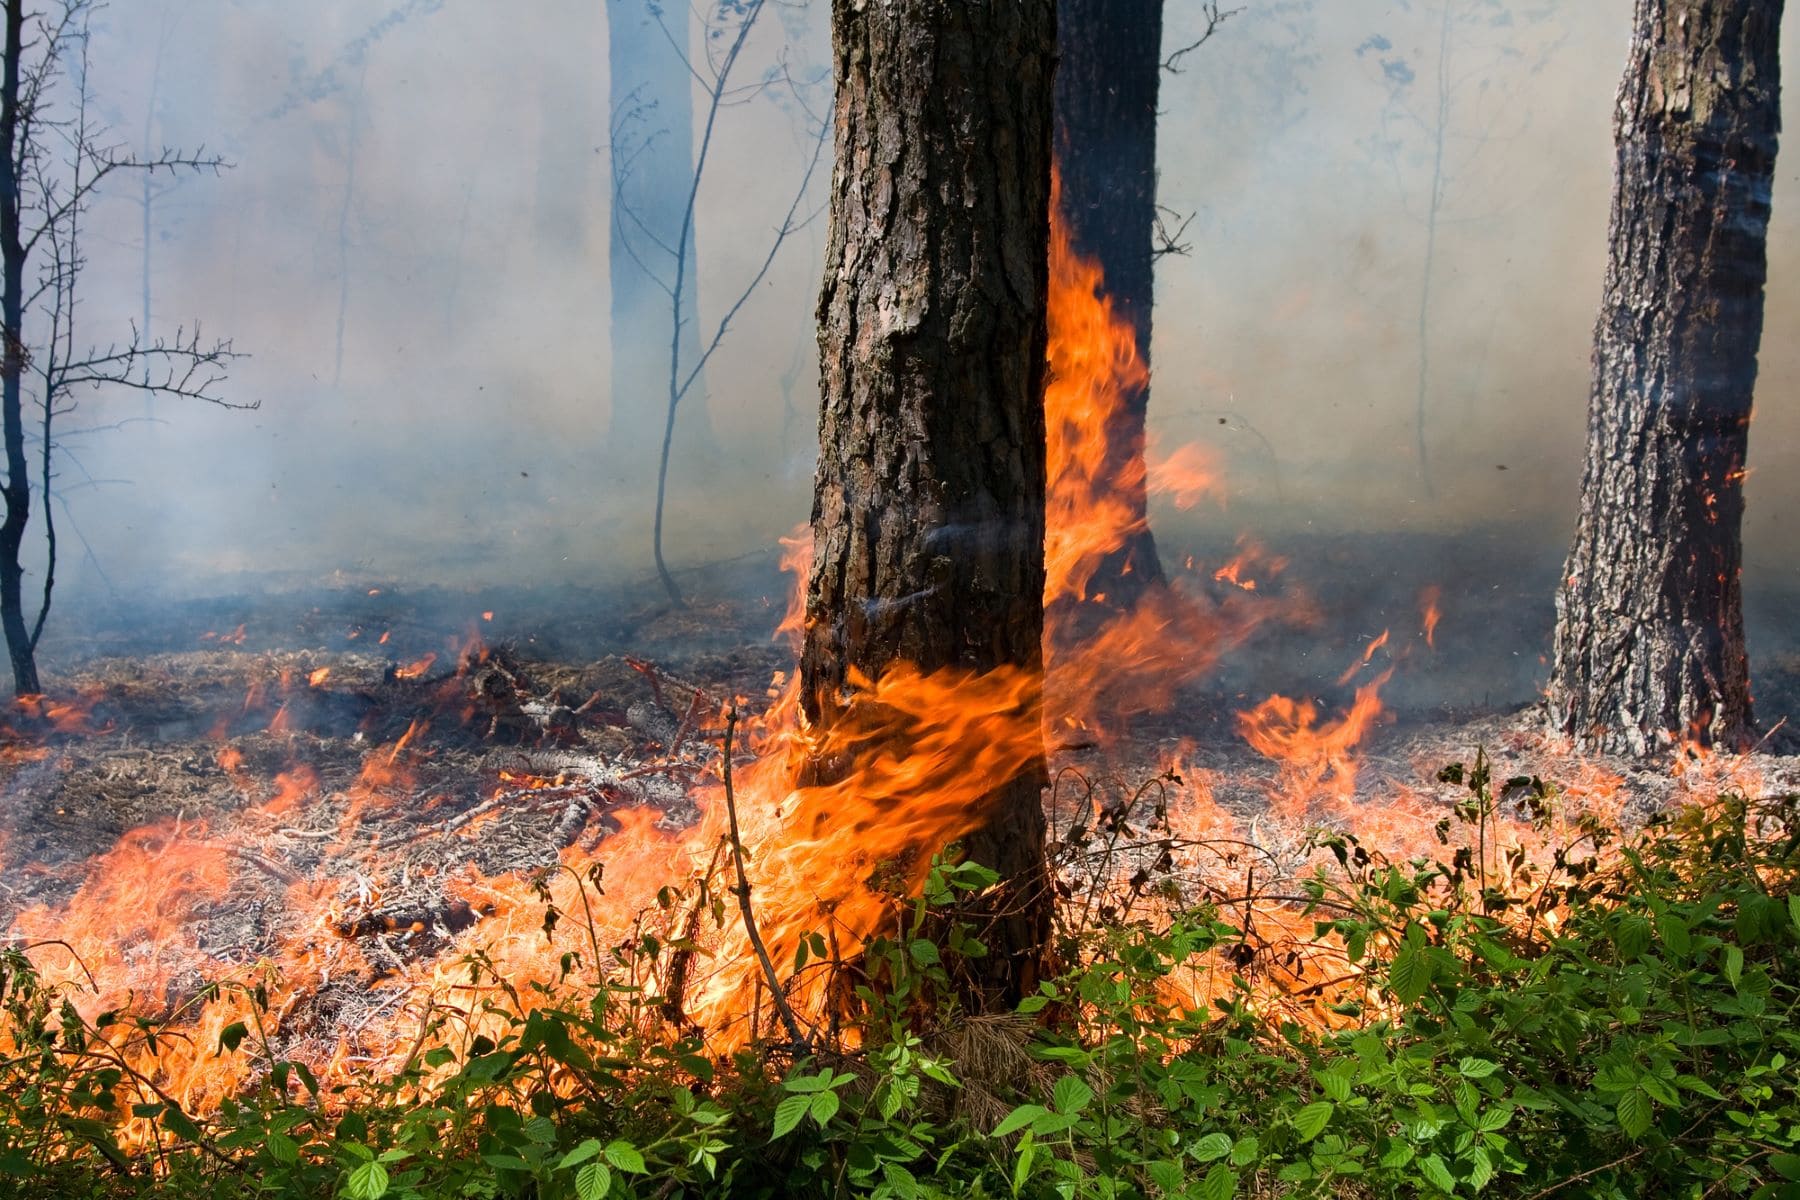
427,918
1611,1014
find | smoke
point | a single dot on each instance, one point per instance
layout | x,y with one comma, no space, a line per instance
387,162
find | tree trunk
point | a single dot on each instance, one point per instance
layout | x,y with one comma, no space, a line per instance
1106,87
17,489
1650,630
928,514
652,140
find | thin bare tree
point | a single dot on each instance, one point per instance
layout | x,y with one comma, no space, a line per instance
729,29
54,162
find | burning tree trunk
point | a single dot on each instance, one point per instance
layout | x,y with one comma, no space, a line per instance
1106,86
1650,631
928,514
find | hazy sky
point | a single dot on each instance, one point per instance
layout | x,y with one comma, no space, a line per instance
391,177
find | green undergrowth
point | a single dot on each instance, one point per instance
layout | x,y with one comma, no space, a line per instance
1619,1030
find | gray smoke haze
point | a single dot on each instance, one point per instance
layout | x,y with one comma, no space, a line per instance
395,162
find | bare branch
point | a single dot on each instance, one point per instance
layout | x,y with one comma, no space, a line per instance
1214,17
1167,241
180,368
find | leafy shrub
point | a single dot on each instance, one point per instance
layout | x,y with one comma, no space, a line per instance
1617,1026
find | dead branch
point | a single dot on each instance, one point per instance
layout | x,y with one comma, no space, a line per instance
1214,17
742,891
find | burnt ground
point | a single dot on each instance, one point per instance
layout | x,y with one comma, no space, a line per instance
192,717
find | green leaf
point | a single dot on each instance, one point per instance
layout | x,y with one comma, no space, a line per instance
1335,1083
1476,1068
807,1083
824,1106
1794,910
580,1154
1632,937
1310,1121
1070,1095
923,952
1220,1183
788,1114
1495,1119
1022,1167
1438,1173
593,1182
1212,1146
180,1124
1410,975
282,1148
1674,933
1481,1168
367,1182
1398,1155
1634,1113
1245,1150
1166,1175
1734,965
232,1036
1017,1119
623,1155
1694,1083
1786,1165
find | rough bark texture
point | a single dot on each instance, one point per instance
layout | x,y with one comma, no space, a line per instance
1106,86
928,514
1650,632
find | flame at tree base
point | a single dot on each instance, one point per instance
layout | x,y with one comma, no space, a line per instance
832,865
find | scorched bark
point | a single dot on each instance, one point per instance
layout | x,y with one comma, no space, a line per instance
1650,632
928,516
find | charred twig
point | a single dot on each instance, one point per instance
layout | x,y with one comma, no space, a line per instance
1214,18
264,863
454,915
573,820
743,894
657,676
675,994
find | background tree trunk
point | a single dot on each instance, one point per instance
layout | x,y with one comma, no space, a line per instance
652,140
17,490
928,514
1106,87
1650,630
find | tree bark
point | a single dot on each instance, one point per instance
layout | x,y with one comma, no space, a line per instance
1650,630
1106,89
928,512
17,488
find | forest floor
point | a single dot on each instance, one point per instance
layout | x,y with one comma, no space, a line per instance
366,744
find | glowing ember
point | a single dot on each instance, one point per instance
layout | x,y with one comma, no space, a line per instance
1430,614
416,669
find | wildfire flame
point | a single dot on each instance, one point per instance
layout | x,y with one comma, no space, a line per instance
921,753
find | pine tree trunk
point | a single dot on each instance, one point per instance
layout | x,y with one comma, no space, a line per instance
1650,630
1106,87
928,514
